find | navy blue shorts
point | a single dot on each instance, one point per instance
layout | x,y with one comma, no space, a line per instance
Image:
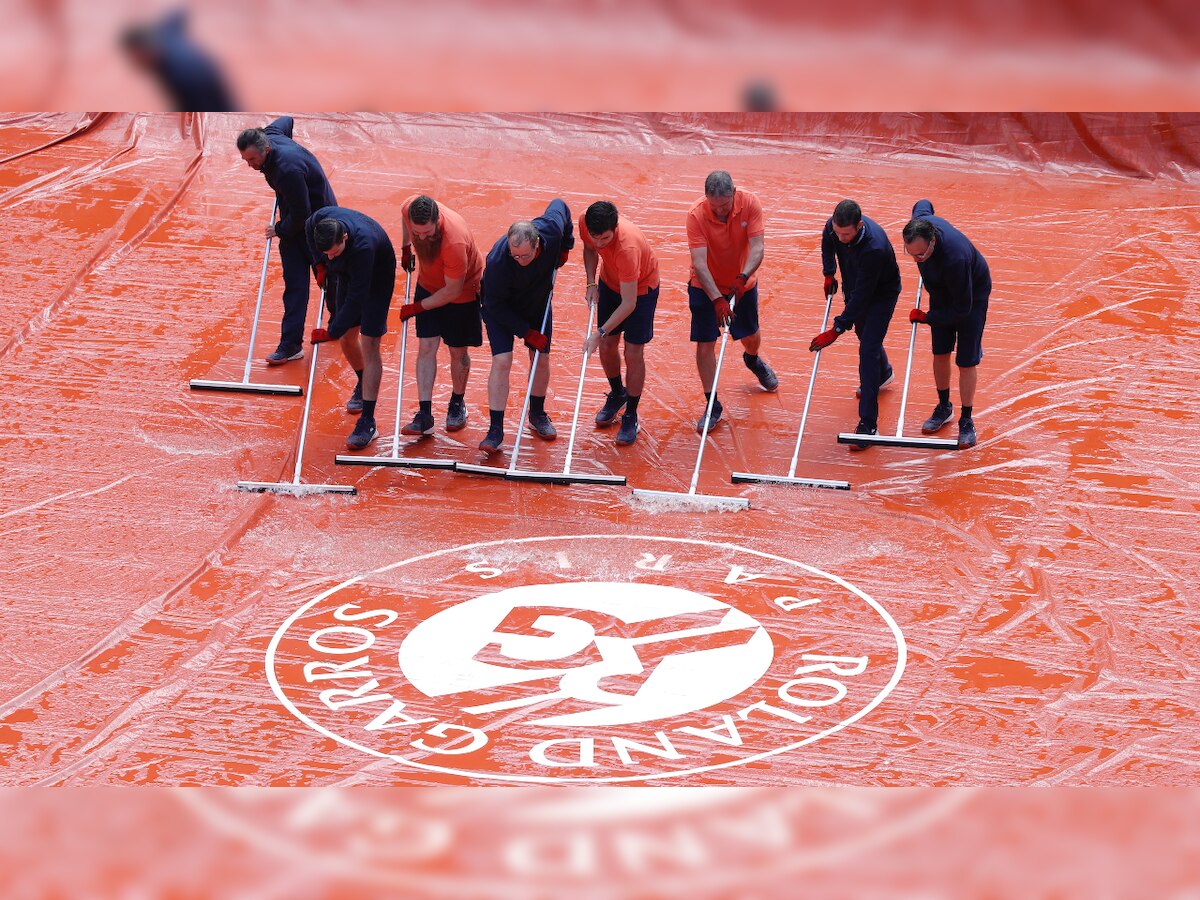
500,338
457,324
704,315
372,319
638,326
968,336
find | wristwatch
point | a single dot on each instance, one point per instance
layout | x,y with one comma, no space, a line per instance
603,333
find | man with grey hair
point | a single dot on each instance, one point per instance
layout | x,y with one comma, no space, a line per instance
518,277
725,232
301,188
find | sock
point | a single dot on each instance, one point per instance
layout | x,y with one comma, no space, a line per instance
426,407
707,395
456,399
615,384
632,405
369,409
537,404
944,396
751,361
497,417
966,411
359,372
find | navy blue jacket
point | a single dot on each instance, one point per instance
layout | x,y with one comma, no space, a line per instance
515,295
189,75
296,177
956,275
870,275
354,268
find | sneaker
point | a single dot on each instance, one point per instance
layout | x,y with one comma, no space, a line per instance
712,420
629,429
942,413
614,402
364,432
354,404
887,379
863,428
491,443
421,424
456,417
542,426
966,433
285,353
765,374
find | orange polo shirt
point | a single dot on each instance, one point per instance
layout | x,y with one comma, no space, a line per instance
728,242
459,257
628,257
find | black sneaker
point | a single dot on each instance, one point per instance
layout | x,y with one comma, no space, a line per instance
364,432
712,420
614,402
942,413
354,404
629,429
285,353
887,379
542,426
421,424
491,443
966,433
456,417
765,374
863,428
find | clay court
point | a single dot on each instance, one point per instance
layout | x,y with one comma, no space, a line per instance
1019,613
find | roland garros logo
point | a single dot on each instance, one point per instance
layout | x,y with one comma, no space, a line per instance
588,659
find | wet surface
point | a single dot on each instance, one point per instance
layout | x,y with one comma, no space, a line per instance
1044,582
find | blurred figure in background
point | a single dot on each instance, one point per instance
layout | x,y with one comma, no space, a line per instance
959,283
446,303
301,188
517,280
189,76
725,236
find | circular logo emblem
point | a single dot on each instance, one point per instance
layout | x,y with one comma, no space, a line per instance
586,659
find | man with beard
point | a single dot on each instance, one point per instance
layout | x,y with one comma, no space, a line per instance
859,248
446,303
627,294
517,280
300,188
361,280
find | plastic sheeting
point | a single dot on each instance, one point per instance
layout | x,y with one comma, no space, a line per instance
1025,608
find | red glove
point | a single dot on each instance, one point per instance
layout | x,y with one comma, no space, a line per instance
408,310
320,271
537,340
407,261
724,313
831,285
824,339
739,284
319,336
562,258
916,315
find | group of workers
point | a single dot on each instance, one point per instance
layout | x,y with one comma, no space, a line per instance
460,293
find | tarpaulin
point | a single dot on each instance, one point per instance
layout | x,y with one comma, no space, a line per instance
1017,613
